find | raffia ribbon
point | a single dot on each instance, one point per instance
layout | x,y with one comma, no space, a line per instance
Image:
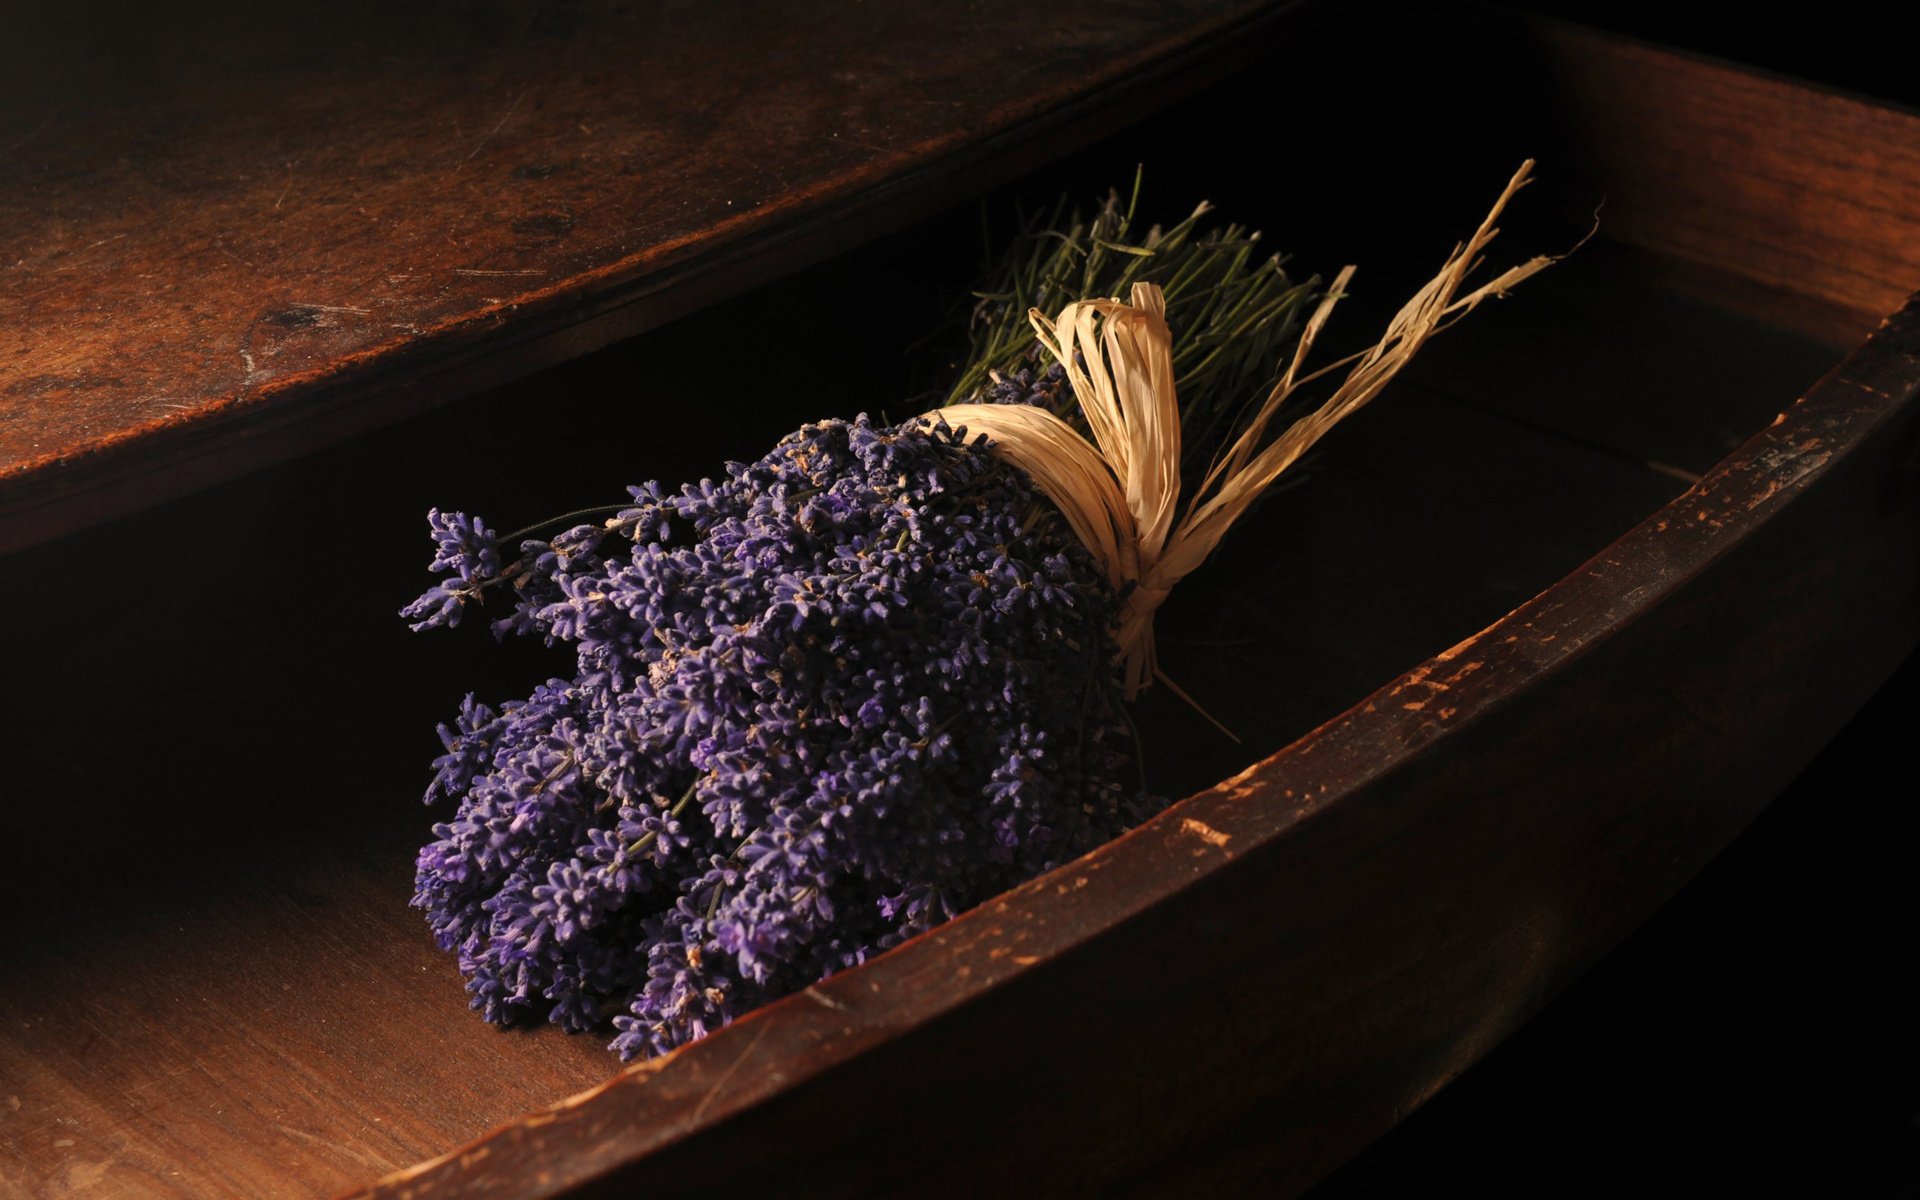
1120,492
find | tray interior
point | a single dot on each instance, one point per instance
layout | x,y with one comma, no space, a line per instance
215,984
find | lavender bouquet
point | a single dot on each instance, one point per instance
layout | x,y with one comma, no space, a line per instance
849,690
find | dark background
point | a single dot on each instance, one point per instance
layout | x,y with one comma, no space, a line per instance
1759,1035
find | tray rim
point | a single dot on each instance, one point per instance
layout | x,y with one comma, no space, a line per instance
1867,398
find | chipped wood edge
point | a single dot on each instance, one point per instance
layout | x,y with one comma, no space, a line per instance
668,1100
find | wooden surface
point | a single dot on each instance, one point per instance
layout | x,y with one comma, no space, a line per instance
215,987
1338,970
230,235
1284,964
1784,200
1786,203
236,999
1761,1023
1791,939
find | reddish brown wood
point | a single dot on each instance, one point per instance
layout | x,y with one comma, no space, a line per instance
1288,963
1788,203
214,987
205,1028
1302,954
241,1002
256,236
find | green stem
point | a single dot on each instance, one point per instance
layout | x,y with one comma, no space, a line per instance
597,510
1234,312
648,838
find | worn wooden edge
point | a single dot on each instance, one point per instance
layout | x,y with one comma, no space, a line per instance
608,1133
304,412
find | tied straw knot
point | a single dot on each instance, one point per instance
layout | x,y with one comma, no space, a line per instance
1121,491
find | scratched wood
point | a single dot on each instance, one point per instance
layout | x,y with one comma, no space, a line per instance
238,1001
214,986
1233,998
1281,967
232,234
239,1052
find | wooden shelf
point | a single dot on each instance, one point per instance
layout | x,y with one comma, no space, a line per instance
231,237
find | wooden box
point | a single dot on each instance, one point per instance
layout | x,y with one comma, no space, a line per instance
1542,630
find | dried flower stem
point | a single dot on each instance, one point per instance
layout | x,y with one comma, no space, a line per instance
1120,492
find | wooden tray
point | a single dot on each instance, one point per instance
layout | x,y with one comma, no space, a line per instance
1542,631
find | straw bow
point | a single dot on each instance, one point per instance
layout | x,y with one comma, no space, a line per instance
1120,492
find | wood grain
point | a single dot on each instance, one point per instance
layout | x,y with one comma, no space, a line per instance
1813,199
215,985
1783,200
1288,962
234,237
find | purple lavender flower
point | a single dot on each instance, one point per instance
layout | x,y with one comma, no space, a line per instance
818,706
